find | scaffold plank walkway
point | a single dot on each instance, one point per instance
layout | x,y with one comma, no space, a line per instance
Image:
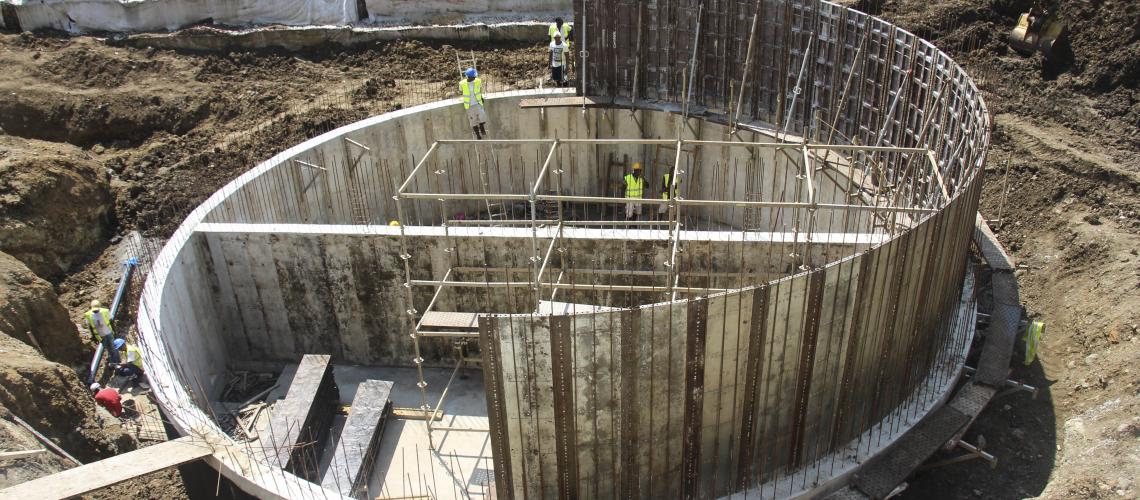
104,473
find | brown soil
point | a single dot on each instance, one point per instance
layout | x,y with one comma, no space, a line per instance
55,205
172,128
30,312
120,139
1068,131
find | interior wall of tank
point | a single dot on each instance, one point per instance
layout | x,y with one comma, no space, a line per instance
194,319
279,293
340,182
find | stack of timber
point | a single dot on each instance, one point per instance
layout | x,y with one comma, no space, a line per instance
300,423
351,467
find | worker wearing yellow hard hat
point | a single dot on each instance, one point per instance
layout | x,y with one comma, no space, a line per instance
394,223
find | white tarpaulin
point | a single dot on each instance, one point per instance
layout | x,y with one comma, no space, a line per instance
80,16
77,16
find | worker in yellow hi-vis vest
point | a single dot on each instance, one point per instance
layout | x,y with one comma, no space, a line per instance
634,190
668,190
472,88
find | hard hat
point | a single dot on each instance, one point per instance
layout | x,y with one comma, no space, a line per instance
119,343
95,386
636,166
95,304
394,223
470,72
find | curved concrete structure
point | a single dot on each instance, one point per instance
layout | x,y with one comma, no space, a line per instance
795,308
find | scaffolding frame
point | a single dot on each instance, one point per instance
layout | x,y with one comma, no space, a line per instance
811,154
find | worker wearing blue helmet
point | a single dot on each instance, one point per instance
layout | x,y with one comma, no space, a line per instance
472,88
132,366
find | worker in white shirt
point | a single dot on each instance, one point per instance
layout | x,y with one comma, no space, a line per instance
558,51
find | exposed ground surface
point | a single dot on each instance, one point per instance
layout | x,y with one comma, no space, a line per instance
134,138
1070,132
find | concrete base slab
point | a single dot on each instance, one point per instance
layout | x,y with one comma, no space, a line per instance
406,466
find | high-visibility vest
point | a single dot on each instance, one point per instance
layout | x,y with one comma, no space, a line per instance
634,186
105,318
667,182
565,32
466,89
134,355
1032,338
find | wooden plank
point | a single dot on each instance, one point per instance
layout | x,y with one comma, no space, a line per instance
677,391
808,350
542,371
496,411
749,421
104,473
696,336
739,323
608,381
656,329
586,408
567,102
512,405
15,455
565,434
711,425
630,369
644,362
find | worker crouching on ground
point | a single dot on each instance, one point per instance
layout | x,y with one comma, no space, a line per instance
132,368
472,88
98,321
108,398
558,61
634,189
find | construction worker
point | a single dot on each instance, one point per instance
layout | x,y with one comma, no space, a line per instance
98,320
634,189
558,61
666,192
108,398
472,88
133,366
560,28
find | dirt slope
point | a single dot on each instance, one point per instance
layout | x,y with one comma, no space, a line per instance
1068,133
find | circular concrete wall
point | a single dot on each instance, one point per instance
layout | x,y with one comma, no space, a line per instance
851,329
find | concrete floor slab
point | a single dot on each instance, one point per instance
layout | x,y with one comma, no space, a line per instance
406,466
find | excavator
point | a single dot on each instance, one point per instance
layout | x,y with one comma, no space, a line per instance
1038,30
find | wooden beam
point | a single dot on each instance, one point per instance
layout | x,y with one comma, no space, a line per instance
111,471
13,455
567,102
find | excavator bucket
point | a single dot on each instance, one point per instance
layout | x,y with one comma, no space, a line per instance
1037,35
